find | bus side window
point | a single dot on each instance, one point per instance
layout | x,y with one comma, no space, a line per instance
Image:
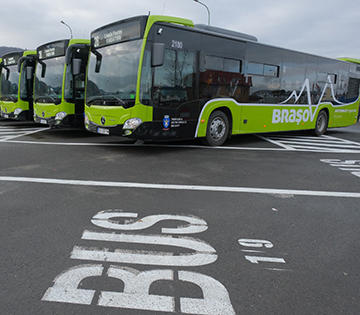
174,81
222,77
145,86
353,90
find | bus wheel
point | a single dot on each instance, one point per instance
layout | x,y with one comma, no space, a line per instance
321,123
217,129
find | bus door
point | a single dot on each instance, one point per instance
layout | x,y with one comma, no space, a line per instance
26,68
173,95
76,62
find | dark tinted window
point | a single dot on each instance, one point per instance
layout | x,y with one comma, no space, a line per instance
262,69
174,81
255,68
354,89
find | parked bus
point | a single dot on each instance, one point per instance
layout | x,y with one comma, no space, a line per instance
17,85
157,78
356,61
59,92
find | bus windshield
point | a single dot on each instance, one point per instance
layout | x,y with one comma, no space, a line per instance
48,89
115,84
10,88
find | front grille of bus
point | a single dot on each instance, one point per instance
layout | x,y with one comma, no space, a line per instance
49,121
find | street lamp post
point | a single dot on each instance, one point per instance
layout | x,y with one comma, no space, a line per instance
206,9
62,22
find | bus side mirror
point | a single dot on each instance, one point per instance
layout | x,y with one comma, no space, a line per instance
29,73
76,63
43,68
158,53
98,60
98,63
7,73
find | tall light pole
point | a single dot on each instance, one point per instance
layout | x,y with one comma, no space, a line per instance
62,22
206,9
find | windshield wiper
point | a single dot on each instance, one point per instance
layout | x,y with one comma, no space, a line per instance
9,98
46,97
104,98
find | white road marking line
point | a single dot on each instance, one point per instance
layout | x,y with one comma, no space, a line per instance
312,144
282,149
271,191
277,143
13,133
339,145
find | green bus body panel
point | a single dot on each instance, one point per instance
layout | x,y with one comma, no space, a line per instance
115,116
8,107
258,118
49,110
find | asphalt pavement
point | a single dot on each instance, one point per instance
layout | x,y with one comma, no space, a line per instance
266,224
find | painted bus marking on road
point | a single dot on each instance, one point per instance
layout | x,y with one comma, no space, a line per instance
136,290
256,243
103,219
203,253
136,293
352,166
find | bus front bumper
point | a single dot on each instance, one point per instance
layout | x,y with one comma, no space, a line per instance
18,114
104,130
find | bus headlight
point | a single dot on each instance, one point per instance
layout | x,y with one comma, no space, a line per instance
132,123
86,120
60,116
17,111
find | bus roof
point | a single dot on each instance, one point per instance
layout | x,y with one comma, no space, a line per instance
353,60
13,53
224,31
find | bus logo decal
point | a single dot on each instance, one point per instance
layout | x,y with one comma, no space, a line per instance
303,115
166,122
103,120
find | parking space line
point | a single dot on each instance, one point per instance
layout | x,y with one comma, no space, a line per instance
312,144
8,134
270,191
281,147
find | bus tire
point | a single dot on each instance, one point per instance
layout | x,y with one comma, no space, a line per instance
217,129
321,123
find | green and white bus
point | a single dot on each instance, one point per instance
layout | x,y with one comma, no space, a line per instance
158,78
59,88
17,85
356,61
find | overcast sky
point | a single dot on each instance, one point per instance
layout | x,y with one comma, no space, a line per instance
328,28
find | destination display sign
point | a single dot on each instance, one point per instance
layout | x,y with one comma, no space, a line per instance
116,33
52,50
11,59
